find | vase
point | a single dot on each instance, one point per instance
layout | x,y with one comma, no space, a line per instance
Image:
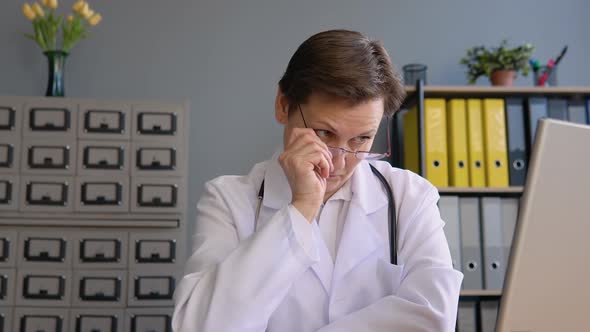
502,77
55,80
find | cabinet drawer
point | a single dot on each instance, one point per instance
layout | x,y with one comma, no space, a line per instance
46,193
157,159
103,157
152,288
99,288
49,157
105,120
46,117
158,121
10,155
43,287
10,118
40,320
5,319
149,320
153,249
101,250
96,320
51,249
7,248
9,192
7,285
157,195
97,194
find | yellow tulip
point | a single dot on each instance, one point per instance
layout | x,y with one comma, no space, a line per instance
28,12
45,3
84,10
70,18
38,10
52,4
77,7
95,19
88,14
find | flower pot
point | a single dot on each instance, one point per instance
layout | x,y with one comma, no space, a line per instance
502,77
55,79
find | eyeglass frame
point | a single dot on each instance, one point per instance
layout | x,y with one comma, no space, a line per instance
356,153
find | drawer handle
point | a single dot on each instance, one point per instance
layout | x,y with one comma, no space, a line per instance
8,161
5,248
104,125
49,126
102,199
43,293
11,118
47,161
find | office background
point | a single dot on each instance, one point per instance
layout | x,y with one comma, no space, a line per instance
226,57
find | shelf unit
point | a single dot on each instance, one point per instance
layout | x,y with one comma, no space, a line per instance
481,293
483,191
415,98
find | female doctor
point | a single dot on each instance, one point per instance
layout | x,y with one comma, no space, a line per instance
301,243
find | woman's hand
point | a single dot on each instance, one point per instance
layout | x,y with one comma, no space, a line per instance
307,163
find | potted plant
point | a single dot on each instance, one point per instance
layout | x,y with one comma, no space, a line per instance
47,26
501,64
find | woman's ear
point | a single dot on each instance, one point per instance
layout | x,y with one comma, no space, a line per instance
281,107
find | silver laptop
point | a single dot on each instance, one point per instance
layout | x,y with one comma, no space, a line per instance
547,284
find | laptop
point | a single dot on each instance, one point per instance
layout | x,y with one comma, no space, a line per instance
547,285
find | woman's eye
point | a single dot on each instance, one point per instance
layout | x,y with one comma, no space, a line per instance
322,133
361,139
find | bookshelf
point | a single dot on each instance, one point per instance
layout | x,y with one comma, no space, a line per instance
474,91
499,191
481,293
476,299
415,96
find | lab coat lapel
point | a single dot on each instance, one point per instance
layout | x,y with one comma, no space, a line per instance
277,194
360,236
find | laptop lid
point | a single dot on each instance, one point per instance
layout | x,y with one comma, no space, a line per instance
547,286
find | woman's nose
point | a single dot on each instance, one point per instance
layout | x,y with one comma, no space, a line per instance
338,160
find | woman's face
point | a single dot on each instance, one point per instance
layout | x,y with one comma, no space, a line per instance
338,124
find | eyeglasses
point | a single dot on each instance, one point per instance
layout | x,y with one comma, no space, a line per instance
362,155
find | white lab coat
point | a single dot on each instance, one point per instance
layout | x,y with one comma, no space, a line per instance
278,276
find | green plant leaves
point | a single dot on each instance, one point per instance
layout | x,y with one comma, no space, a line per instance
480,60
47,28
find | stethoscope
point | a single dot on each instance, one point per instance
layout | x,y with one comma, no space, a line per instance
392,218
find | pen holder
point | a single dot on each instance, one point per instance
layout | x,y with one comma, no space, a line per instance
414,72
551,79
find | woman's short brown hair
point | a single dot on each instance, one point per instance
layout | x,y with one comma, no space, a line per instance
343,64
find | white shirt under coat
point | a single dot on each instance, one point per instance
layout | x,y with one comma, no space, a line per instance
279,275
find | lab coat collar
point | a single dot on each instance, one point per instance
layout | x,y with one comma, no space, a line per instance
277,191
367,189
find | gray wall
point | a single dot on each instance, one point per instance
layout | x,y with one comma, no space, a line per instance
226,57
